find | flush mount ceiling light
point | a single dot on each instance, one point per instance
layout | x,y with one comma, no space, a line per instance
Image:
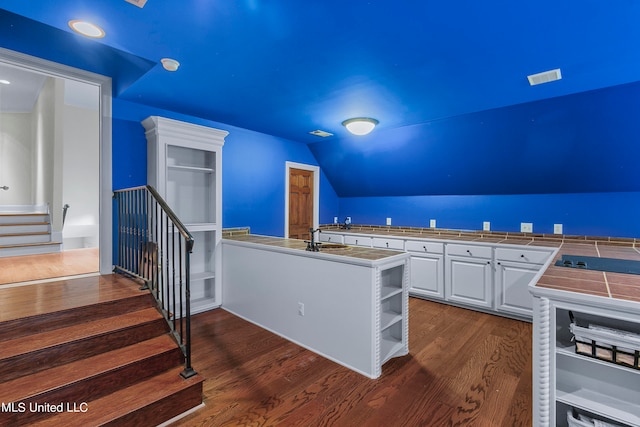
86,29
360,125
4,82
170,64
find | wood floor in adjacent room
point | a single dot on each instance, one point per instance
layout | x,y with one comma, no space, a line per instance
27,268
464,369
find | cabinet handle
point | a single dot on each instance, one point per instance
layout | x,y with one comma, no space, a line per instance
356,241
468,251
425,248
488,262
499,263
387,244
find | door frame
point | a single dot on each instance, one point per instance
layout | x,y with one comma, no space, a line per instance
104,85
316,193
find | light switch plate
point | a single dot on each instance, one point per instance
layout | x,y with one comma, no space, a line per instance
432,223
335,219
486,226
526,227
557,228
388,221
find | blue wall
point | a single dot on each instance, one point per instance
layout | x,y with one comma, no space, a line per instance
590,214
253,172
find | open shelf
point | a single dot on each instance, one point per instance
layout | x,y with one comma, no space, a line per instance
609,390
391,341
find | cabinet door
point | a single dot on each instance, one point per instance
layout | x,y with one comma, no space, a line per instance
357,240
469,281
512,287
330,237
427,276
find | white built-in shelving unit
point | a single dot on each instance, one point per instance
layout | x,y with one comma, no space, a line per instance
184,164
567,381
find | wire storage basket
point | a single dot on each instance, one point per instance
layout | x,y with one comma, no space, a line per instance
576,419
605,343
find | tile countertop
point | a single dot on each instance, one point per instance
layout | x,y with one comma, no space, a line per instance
371,254
598,283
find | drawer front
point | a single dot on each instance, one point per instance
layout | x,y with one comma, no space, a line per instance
425,247
330,237
469,250
382,242
522,255
357,241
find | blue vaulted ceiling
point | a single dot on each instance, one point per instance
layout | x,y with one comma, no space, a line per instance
447,81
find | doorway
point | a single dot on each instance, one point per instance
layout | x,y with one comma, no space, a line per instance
77,108
301,199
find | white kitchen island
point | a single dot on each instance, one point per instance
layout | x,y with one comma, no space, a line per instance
347,304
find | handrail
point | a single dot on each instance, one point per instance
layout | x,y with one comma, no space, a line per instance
153,245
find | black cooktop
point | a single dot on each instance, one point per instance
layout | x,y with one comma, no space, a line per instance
613,265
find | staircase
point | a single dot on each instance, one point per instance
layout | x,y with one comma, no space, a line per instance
25,234
89,352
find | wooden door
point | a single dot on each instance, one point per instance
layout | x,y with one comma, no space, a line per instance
300,203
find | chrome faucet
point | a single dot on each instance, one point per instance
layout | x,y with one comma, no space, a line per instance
312,245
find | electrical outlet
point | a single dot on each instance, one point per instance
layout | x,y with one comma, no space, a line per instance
388,221
432,223
557,228
486,226
526,227
300,309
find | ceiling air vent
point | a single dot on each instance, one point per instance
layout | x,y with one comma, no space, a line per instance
321,133
545,77
139,3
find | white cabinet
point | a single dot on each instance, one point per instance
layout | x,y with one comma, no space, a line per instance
512,292
567,381
427,269
515,269
358,240
468,278
388,243
491,277
184,164
330,238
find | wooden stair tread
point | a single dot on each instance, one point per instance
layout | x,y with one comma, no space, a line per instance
65,375
26,233
18,346
25,301
23,214
18,224
126,401
20,245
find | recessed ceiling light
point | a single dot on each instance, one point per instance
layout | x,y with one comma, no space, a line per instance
5,82
86,29
170,64
360,125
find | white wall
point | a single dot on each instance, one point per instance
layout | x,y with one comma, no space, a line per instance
80,176
16,150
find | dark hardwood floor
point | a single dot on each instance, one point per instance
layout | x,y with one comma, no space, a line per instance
464,369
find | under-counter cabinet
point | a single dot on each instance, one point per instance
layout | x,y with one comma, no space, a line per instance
515,269
468,275
566,381
427,268
185,167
